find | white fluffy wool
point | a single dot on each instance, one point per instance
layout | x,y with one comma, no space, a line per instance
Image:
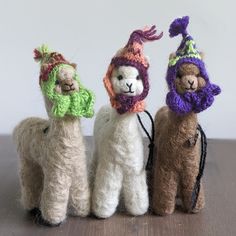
119,155
129,84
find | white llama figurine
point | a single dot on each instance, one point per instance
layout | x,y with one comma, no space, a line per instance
118,154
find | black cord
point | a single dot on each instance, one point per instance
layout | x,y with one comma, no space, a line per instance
197,185
151,139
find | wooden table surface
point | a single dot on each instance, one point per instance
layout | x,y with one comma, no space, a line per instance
218,218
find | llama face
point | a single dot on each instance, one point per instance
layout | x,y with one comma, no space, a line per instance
188,79
65,82
126,80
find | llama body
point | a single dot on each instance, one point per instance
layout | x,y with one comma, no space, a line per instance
118,154
179,167
177,164
120,164
53,167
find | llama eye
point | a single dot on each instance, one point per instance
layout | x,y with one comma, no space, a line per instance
138,77
57,82
119,77
179,75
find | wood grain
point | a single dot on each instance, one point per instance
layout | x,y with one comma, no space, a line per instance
218,218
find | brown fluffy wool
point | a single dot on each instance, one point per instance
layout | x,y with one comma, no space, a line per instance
177,154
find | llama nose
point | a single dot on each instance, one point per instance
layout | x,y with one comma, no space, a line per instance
68,82
129,85
191,82
68,85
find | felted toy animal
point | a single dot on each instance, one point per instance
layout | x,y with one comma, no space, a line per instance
53,171
178,164
120,168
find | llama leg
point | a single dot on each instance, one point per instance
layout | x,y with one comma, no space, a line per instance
31,182
106,191
201,200
135,193
92,164
187,185
79,204
55,196
164,191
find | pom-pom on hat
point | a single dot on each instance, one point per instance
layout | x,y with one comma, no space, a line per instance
187,53
48,60
131,55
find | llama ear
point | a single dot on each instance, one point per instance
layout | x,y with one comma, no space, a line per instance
202,54
44,66
148,59
74,65
119,52
172,55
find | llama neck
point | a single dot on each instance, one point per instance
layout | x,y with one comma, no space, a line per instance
68,127
125,125
183,124
128,117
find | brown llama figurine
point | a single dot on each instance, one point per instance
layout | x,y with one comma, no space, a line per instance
179,166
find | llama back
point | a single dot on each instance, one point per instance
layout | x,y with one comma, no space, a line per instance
102,117
161,118
28,129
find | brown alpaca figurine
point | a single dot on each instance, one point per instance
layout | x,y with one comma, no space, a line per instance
178,166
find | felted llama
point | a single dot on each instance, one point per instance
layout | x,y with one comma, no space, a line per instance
179,166
118,139
53,171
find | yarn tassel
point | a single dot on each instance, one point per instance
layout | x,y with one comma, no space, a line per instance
41,52
141,36
179,26
197,185
151,140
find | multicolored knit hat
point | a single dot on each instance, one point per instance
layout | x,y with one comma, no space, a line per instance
77,104
187,53
48,61
131,55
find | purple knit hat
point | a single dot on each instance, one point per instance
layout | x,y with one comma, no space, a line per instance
132,55
187,53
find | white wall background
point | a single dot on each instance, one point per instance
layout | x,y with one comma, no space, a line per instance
90,32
